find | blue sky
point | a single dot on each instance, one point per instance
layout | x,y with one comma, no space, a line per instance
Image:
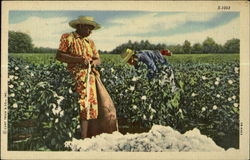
46,27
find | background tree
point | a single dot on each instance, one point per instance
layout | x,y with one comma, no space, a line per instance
197,48
232,46
142,45
209,46
187,47
19,42
220,49
176,49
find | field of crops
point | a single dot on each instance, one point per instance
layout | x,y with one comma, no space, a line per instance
42,103
178,58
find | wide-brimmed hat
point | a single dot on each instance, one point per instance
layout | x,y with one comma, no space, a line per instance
127,54
84,20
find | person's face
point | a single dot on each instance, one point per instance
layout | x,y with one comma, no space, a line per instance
84,29
132,60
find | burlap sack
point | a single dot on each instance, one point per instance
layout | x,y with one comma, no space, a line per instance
107,120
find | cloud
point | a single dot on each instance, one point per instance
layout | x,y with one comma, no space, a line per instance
220,34
45,32
109,38
150,22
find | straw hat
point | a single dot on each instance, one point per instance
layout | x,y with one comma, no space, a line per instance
84,20
127,54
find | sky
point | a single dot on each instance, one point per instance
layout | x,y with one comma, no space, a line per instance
118,27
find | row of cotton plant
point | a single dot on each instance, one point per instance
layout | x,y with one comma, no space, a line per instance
42,95
207,99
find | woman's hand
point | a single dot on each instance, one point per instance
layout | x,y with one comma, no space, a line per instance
95,62
85,62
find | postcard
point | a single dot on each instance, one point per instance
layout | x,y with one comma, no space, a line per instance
125,80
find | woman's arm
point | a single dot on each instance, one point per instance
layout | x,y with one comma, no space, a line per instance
66,58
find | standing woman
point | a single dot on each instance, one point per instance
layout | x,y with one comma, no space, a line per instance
97,111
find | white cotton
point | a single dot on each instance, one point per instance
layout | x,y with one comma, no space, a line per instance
158,139
11,86
236,105
15,105
180,110
135,79
132,88
216,82
204,78
12,95
194,94
11,77
236,69
61,114
215,107
143,97
230,81
203,109
153,110
70,91
134,107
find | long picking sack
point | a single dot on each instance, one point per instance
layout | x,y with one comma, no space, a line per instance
107,119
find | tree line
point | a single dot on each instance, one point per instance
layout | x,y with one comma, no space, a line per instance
19,42
208,46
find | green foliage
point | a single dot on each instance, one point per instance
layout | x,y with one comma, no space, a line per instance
139,99
203,58
207,99
22,43
211,99
19,42
187,47
143,45
232,46
196,48
208,46
42,95
36,58
115,58
44,50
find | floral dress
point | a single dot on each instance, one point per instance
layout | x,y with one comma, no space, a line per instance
74,45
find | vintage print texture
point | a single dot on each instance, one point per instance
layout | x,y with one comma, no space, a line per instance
172,76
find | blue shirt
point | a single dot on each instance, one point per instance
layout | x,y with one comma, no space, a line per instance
151,58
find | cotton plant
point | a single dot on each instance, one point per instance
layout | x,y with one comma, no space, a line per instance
208,96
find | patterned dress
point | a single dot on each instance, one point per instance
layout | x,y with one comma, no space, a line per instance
74,45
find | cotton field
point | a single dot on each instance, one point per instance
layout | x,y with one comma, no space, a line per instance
158,139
